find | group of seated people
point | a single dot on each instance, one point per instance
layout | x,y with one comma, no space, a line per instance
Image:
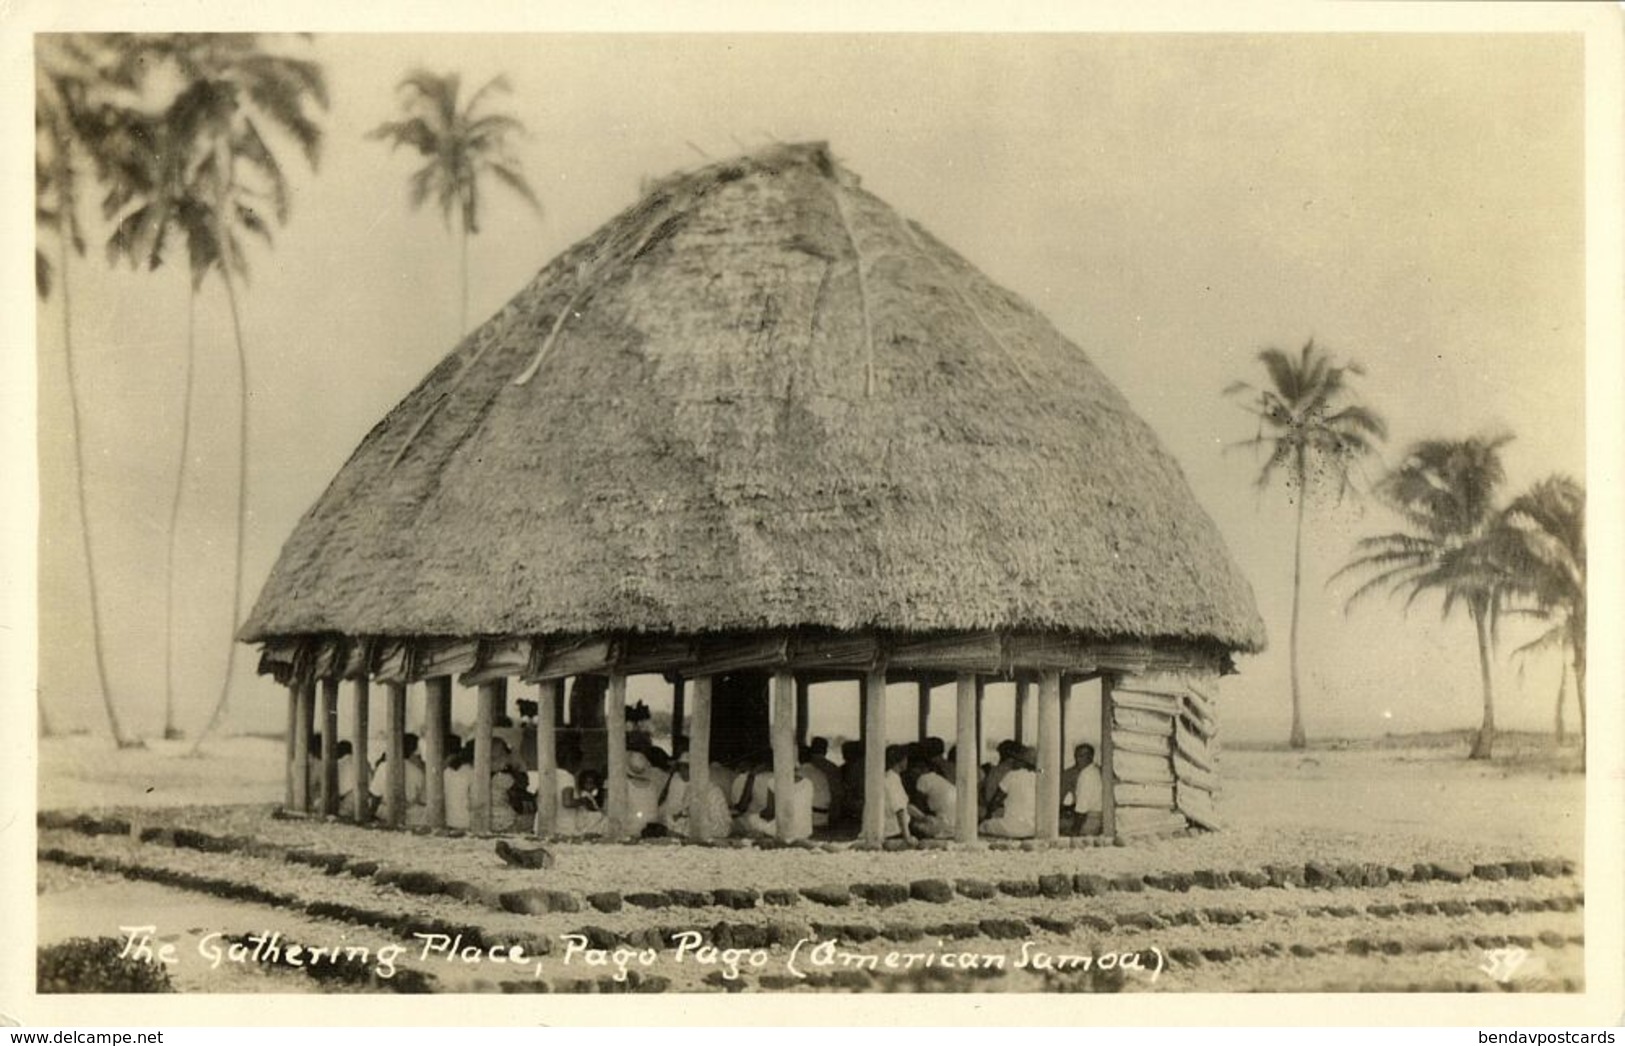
922,794
739,799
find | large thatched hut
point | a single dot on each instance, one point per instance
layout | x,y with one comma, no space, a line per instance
762,423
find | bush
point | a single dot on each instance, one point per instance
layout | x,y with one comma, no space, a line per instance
92,964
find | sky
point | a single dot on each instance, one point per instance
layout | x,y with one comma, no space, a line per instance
1173,203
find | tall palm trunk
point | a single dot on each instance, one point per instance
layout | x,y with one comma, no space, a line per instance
1298,738
119,737
1485,743
170,731
1580,686
462,322
1562,693
242,502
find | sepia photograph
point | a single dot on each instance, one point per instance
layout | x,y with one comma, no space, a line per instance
742,513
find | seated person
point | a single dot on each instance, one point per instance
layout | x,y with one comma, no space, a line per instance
938,805
564,782
796,811
1081,799
814,773
752,789
826,804
676,806
994,776
313,773
896,821
642,794
581,807
415,781
459,787
346,776
1015,803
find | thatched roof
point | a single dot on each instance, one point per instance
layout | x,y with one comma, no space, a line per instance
760,398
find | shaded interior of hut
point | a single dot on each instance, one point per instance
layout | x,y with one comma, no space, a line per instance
790,757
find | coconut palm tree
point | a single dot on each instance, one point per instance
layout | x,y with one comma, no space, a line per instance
1539,539
152,198
1445,491
1312,432
460,146
64,82
207,170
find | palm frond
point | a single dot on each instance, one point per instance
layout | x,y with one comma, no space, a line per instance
1283,375
515,180
498,83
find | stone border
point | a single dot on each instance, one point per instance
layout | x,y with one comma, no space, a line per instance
726,934
1058,886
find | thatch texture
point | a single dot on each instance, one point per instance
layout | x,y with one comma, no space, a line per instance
760,398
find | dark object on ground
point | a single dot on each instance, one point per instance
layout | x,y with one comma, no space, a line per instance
92,964
532,857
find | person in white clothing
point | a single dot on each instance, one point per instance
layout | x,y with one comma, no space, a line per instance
1016,803
714,820
413,762
642,793
815,775
940,799
797,812
751,791
459,788
1081,798
896,796
564,783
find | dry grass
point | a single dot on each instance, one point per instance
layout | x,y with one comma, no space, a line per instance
760,399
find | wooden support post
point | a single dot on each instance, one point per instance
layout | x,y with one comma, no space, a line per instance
803,713
395,765
981,733
1023,692
301,746
678,711
1048,820
966,763
784,749
863,716
436,717
330,746
443,712
615,773
560,707
924,725
874,756
361,785
479,807
290,744
548,702
699,756
1066,699
1108,788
